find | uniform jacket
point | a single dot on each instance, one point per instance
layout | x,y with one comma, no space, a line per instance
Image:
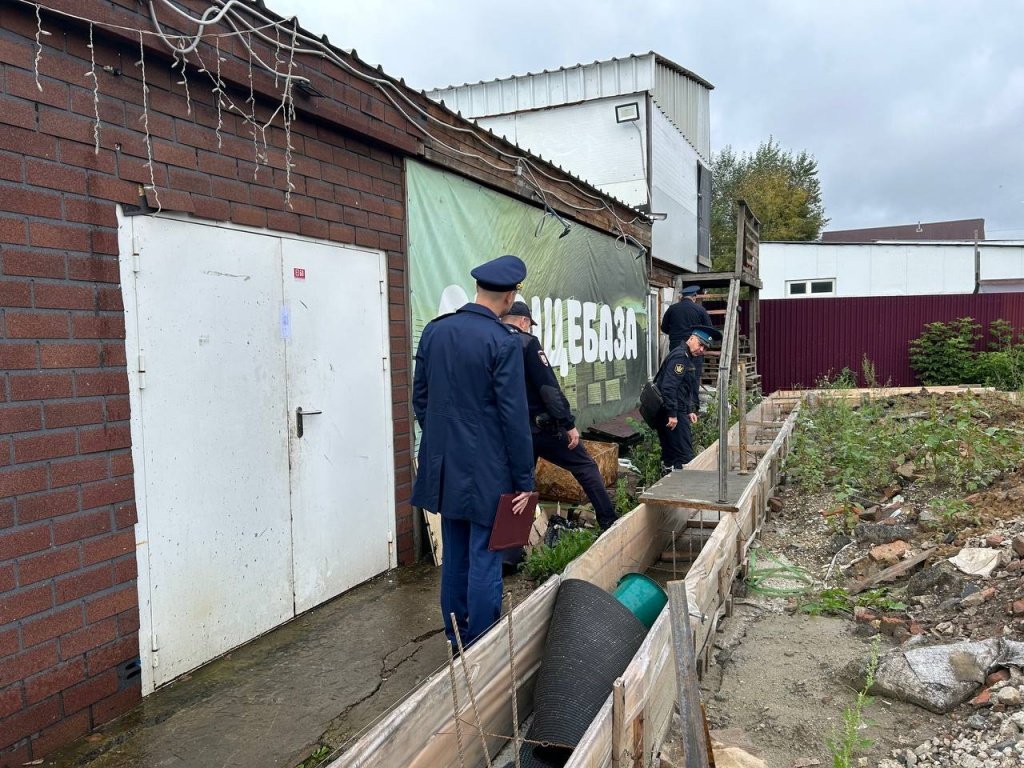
680,319
543,395
677,382
470,402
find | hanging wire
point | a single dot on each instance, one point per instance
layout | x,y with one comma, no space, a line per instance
184,82
141,63
95,94
237,12
39,45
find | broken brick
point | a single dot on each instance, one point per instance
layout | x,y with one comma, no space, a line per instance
891,553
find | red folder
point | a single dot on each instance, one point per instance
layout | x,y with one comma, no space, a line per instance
512,530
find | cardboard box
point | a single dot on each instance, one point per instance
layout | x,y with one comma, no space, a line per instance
558,484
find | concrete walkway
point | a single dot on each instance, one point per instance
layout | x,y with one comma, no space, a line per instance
318,680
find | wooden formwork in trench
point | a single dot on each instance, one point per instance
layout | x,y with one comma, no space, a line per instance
421,730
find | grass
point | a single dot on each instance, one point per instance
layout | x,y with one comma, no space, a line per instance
316,757
836,601
852,447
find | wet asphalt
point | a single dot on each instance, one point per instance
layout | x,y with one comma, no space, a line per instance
317,681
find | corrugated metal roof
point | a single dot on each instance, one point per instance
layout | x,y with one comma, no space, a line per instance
961,229
682,95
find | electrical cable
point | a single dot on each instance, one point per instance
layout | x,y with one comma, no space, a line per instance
231,11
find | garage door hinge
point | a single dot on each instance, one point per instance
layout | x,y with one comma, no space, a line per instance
384,364
135,254
381,287
142,385
156,644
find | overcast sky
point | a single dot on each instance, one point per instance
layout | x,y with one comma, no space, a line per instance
914,109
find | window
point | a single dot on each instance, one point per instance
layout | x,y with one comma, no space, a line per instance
826,287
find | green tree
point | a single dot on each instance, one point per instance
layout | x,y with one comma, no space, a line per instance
781,188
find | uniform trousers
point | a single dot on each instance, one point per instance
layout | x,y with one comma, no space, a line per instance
555,448
470,580
676,444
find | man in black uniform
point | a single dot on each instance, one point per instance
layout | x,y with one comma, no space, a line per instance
681,318
677,382
555,436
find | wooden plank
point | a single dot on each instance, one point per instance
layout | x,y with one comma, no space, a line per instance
595,748
695,489
434,535
632,544
618,722
890,573
688,694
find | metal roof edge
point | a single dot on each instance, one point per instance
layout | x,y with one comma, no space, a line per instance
681,70
657,58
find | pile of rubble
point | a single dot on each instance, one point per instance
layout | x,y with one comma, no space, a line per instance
953,602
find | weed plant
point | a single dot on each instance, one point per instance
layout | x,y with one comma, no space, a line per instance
646,454
836,601
544,561
624,500
953,514
847,741
316,758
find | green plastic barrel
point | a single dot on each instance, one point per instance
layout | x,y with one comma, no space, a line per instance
642,596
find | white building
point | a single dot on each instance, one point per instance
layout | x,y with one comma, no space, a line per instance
893,268
637,128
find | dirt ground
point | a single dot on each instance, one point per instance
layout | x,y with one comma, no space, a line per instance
782,678
780,681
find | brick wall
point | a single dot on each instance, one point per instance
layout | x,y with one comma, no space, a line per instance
68,594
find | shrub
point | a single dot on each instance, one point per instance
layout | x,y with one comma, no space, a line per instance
944,353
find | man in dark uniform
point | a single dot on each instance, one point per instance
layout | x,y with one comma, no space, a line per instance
681,318
555,436
470,402
677,382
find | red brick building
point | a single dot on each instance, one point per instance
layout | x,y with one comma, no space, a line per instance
69,600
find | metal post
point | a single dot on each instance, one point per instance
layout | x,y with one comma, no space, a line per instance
741,398
688,688
723,428
724,371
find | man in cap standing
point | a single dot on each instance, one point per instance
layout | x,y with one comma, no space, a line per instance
677,382
470,402
555,436
681,318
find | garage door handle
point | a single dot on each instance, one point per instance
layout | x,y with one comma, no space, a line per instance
299,413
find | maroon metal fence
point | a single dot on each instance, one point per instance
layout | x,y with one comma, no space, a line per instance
802,340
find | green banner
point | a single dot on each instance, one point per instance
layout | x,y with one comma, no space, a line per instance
586,289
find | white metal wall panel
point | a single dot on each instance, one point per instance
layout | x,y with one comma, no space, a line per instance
688,105
685,100
673,191
871,269
586,140
568,85
1002,262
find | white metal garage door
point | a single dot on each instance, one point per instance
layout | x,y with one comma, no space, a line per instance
242,521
